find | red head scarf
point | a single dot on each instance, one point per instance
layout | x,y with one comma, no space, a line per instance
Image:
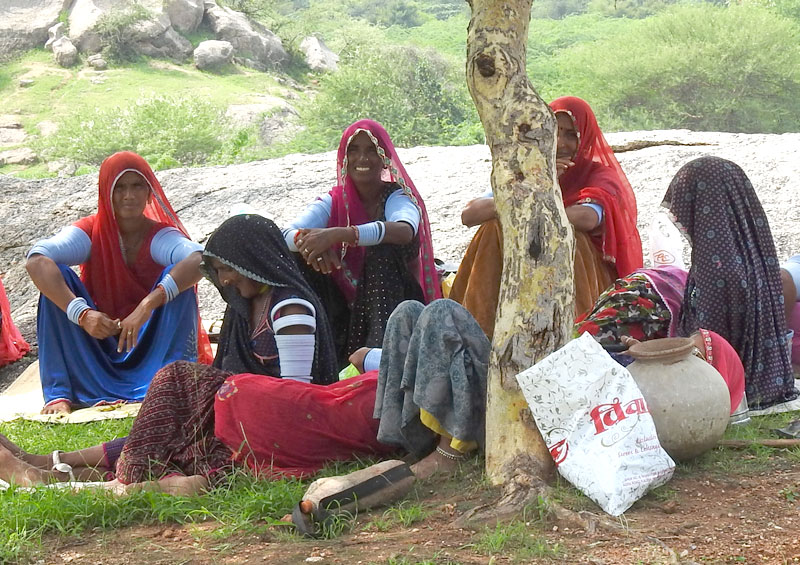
115,287
597,177
348,210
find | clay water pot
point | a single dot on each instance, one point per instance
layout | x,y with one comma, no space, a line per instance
687,398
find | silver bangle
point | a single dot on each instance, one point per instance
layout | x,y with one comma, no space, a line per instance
450,456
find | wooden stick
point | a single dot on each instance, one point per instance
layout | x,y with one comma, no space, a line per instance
777,443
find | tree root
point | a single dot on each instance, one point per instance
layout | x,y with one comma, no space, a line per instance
523,490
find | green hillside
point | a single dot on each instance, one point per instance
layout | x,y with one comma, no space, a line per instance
642,64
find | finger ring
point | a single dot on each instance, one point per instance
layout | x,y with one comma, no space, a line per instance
119,325
319,258
130,332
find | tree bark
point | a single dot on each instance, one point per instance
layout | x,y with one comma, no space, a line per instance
536,306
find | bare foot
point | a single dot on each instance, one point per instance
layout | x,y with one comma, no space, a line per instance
433,464
16,472
15,450
60,407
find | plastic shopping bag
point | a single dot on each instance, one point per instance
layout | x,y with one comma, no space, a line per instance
666,242
596,424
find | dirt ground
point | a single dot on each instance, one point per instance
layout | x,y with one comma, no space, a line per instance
700,517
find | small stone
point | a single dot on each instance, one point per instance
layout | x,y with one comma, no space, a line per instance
314,559
25,82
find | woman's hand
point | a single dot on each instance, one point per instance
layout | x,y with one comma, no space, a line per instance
563,164
130,326
315,245
357,358
99,325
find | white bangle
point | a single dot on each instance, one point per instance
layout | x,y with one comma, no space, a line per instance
170,287
75,308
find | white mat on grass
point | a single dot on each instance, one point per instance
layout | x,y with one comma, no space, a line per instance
24,399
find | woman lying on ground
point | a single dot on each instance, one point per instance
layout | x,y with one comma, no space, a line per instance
367,243
103,336
600,206
646,305
12,346
734,284
274,325
431,387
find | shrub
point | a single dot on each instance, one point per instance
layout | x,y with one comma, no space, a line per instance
403,13
700,67
166,131
557,9
415,94
115,31
629,8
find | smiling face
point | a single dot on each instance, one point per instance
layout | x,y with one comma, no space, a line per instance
364,165
568,138
130,196
228,276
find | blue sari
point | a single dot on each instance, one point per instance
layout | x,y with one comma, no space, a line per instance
77,367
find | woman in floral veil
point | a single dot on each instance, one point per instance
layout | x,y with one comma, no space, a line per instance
367,243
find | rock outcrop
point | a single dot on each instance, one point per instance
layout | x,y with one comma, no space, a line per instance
253,45
64,52
446,177
184,15
213,54
318,57
24,23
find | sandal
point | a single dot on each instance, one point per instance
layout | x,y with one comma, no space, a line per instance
60,467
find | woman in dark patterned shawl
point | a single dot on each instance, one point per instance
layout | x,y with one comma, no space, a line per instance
734,285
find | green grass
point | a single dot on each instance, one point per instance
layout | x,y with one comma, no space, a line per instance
522,541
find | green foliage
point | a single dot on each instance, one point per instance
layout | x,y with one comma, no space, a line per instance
115,31
520,539
165,130
787,8
557,9
636,9
699,67
415,94
444,9
402,13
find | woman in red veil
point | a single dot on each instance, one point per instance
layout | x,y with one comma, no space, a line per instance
599,203
134,309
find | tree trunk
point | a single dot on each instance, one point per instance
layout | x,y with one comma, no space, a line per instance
536,306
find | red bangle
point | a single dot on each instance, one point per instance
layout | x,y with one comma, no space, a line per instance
296,235
82,315
355,231
164,290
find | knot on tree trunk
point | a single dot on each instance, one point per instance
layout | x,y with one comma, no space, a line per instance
485,65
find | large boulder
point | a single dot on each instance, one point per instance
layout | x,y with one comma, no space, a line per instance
185,15
54,34
19,156
318,57
64,52
253,44
213,54
157,38
24,23
152,36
